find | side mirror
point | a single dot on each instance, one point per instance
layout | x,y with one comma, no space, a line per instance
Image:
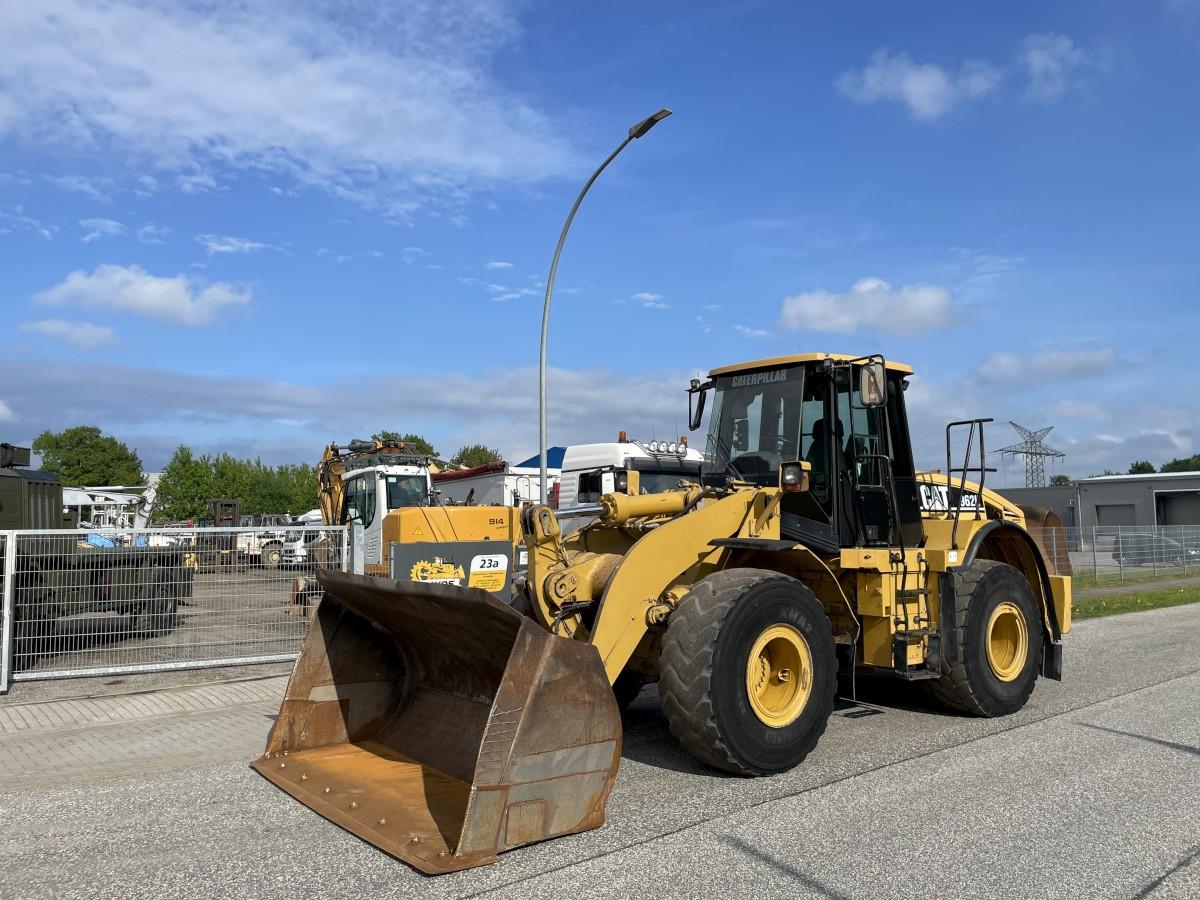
696,412
793,476
872,384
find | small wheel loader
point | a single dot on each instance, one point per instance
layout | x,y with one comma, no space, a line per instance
445,727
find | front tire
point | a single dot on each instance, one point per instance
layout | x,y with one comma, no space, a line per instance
749,671
998,633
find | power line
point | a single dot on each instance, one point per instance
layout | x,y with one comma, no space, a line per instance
1035,451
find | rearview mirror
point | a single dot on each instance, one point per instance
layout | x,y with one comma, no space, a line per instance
872,384
696,412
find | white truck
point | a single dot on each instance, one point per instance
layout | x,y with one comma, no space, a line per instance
591,470
492,484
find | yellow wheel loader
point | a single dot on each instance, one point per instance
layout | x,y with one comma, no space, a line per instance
446,727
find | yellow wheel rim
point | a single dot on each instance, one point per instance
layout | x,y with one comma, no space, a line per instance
1007,641
779,674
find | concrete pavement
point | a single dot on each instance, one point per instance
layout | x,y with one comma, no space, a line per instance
1092,790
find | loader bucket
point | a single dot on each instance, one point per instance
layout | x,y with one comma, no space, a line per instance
442,726
1046,527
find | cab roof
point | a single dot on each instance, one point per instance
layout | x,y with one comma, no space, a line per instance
797,358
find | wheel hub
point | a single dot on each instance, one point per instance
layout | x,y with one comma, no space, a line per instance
779,673
1007,641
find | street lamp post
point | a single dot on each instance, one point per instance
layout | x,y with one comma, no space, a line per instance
637,131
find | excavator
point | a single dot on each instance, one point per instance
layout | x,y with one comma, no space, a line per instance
446,727
382,489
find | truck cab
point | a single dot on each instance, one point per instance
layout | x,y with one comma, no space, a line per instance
592,470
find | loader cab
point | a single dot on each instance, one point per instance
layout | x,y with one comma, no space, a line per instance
862,485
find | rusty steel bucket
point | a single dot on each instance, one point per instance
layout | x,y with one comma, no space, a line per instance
1046,527
442,726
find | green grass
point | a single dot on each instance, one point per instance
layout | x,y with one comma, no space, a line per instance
1134,575
1134,601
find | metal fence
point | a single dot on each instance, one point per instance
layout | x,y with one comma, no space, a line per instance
100,602
1125,553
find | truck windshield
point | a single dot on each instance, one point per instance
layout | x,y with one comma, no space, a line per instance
406,490
655,482
755,425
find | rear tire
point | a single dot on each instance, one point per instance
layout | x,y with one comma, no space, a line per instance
995,601
729,624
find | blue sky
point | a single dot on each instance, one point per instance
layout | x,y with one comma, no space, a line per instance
259,231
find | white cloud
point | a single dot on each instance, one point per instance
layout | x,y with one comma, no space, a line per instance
1048,61
6,413
498,264
383,104
495,407
411,254
83,335
746,331
16,219
650,300
502,292
98,228
179,300
223,243
153,234
96,188
1045,365
928,90
870,304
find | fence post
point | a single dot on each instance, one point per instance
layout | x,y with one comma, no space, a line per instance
7,620
1095,564
345,548
1120,553
1154,548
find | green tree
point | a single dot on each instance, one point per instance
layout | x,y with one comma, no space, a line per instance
474,455
84,455
1141,467
190,483
1060,481
415,442
186,487
1183,464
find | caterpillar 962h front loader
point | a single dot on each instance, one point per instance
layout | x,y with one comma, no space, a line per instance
445,727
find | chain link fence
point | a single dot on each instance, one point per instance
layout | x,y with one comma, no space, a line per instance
100,602
1124,553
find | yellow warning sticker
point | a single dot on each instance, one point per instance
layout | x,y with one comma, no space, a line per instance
418,532
488,581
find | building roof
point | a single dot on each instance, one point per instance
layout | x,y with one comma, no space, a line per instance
802,358
554,458
1147,477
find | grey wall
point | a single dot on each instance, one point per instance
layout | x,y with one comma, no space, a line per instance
1147,496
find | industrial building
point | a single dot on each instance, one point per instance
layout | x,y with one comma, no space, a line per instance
1159,499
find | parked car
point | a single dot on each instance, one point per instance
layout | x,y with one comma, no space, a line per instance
1152,549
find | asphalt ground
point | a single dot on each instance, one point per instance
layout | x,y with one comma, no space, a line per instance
1093,790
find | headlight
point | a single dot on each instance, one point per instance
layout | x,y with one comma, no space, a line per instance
672,447
792,477
620,481
652,446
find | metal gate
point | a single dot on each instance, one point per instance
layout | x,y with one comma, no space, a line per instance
103,602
